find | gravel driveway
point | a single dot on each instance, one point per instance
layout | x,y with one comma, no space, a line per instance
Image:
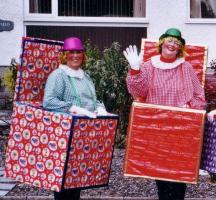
120,186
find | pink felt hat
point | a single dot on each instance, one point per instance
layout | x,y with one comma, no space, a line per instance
72,43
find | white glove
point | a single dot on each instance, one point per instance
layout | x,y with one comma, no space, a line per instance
186,106
132,57
211,114
101,111
81,111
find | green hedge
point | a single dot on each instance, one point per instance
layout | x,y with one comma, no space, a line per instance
108,69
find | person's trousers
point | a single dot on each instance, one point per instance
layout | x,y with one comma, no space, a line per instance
67,195
170,190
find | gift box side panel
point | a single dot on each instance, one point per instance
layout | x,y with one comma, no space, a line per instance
164,144
37,146
91,152
39,58
209,147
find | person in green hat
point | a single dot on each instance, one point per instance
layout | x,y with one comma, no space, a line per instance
166,79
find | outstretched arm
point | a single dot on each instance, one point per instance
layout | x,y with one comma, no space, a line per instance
137,78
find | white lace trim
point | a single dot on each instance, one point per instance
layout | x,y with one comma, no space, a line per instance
157,63
71,72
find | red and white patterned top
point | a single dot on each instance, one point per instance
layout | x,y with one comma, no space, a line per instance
178,86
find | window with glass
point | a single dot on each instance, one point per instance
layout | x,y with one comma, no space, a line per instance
87,19
102,8
40,6
91,8
203,9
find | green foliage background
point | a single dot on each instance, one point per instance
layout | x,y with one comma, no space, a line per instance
108,70
8,83
10,75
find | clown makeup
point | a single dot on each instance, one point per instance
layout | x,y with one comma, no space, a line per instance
170,47
75,59
176,42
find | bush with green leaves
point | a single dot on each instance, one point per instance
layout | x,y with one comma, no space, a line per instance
0,83
10,75
108,69
8,83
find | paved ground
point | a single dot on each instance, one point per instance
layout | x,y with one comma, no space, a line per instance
6,184
91,198
103,196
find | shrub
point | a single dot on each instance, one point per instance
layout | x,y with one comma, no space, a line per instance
108,70
10,75
0,83
8,83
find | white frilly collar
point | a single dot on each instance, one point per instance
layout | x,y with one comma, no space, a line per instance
157,63
71,72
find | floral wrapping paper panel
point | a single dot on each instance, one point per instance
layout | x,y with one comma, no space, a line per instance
164,143
38,151
91,152
39,58
209,147
195,54
37,146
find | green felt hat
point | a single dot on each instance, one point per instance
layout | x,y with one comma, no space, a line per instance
173,32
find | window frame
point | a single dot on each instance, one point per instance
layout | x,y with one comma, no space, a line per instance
198,20
54,19
29,16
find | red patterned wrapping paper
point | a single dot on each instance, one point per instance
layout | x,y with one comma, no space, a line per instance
39,58
91,152
37,146
164,143
48,149
54,150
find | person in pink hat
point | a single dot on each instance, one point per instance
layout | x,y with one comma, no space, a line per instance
70,89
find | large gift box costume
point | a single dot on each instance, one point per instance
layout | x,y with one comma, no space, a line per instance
209,147
209,143
165,142
54,150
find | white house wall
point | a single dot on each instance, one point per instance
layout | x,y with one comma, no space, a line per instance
10,41
160,14
173,13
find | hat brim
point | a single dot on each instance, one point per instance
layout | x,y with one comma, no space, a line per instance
73,49
168,35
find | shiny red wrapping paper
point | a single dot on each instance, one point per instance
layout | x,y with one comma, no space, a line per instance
164,143
196,55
